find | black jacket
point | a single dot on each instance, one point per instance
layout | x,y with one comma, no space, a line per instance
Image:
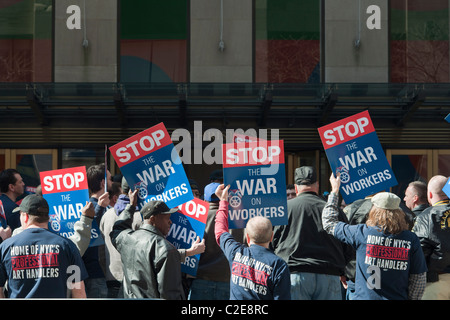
303,243
151,264
213,265
433,229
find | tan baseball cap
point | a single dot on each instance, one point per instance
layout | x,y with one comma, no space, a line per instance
386,200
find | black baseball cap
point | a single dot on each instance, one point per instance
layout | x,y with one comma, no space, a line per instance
305,175
153,208
33,204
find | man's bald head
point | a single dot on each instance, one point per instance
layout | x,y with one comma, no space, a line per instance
434,190
259,230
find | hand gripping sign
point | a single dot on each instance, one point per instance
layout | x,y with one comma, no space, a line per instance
66,191
188,223
150,163
256,174
3,222
353,149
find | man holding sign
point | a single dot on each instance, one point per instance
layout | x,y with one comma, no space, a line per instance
151,264
312,255
354,151
256,272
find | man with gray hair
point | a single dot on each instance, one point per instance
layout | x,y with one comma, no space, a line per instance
256,272
316,260
433,229
416,197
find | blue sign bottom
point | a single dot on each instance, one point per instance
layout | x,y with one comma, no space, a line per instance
256,191
65,211
363,167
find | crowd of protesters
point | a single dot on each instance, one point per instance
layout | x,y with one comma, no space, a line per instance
375,248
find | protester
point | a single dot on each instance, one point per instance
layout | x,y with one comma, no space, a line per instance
114,192
11,187
37,263
357,213
195,188
290,191
416,197
212,281
81,236
96,283
315,259
433,229
113,263
390,262
256,272
216,176
151,264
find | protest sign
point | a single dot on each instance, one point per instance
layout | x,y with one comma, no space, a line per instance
446,188
149,162
255,172
66,191
353,149
188,223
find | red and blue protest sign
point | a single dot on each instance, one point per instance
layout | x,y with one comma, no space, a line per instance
149,162
446,188
188,223
353,150
67,192
255,172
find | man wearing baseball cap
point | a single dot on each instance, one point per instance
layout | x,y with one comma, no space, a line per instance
316,261
151,264
36,263
390,264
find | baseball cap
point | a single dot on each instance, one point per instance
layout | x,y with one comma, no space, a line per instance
305,175
386,200
125,186
210,192
194,184
216,175
153,208
34,204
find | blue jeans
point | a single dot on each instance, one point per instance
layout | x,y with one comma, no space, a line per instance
96,288
209,290
350,290
315,286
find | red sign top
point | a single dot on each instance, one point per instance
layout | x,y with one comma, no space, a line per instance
140,145
346,129
196,209
64,180
255,153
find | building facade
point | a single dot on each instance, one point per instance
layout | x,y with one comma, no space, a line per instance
76,75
